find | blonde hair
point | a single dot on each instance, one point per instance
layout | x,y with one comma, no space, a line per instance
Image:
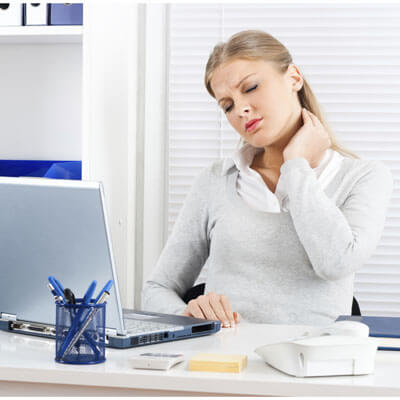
256,45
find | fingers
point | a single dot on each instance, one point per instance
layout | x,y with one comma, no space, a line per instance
194,310
207,308
306,116
213,307
318,124
236,316
228,310
223,309
315,120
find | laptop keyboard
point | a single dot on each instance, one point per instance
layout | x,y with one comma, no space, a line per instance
139,326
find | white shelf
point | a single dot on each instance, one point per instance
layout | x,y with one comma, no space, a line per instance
40,34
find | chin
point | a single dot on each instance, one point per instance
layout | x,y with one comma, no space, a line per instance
260,141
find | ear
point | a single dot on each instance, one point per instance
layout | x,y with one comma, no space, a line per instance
295,78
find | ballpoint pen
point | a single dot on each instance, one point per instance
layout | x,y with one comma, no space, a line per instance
89,293
71,300
59,284
106,288
85,324
76,321
57,298
53,282
69,295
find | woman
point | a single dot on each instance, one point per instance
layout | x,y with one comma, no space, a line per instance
283,225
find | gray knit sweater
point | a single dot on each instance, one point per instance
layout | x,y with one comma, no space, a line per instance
293,267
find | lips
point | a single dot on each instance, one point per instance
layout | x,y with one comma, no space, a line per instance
252,124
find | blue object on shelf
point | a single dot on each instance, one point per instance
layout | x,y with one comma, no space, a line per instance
38,168
65,14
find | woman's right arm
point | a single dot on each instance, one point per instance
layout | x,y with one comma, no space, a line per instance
184,254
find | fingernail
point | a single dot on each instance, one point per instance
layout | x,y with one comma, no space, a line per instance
226,324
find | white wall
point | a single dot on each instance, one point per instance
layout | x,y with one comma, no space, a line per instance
40,102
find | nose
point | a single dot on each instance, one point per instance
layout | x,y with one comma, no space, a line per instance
244,110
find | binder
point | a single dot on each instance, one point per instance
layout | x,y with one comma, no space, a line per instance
11,14
39,168
66,14
36,14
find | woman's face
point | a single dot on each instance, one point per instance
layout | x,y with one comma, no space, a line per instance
248,90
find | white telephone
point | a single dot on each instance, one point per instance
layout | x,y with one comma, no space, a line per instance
342,348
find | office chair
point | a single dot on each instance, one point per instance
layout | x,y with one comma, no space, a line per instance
198,290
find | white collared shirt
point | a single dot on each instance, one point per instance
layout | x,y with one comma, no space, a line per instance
252,188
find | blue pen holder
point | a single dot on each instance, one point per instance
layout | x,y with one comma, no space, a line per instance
80,333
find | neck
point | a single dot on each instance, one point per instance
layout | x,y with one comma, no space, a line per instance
272,157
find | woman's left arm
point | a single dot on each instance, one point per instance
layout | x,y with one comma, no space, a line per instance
337,240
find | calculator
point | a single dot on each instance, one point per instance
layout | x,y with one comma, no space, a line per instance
161,361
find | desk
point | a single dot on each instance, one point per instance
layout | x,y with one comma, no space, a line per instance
27,366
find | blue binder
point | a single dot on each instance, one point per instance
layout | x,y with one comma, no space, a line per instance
39,168
65,14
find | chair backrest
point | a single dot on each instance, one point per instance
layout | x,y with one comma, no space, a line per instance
355,308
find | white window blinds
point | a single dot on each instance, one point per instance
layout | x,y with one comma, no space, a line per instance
349,54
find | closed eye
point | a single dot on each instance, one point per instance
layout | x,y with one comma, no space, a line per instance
247,91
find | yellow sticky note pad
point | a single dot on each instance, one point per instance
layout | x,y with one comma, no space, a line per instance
218,362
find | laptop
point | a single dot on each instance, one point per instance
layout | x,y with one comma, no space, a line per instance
59,227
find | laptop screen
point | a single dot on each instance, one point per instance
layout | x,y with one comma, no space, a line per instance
53,227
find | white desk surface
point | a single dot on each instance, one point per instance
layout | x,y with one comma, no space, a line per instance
27,361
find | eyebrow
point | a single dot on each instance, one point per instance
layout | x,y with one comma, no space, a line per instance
223,98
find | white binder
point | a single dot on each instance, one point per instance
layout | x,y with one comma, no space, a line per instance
11,14
36,14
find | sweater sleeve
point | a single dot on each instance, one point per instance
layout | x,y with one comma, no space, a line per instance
184,254
337,240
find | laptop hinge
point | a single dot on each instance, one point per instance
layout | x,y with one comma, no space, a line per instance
8,317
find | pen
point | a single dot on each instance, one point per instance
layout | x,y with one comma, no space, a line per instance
69,295
59,284
85,324
89,293
106,288
56,288
76,321
57,298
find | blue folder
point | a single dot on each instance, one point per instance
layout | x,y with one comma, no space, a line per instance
39,168
65,14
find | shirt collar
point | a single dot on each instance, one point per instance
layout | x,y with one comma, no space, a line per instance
227,165
243,157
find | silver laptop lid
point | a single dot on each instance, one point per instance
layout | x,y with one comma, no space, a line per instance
53,227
